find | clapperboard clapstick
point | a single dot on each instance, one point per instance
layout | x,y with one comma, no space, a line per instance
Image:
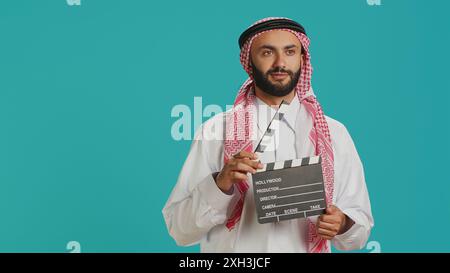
287,189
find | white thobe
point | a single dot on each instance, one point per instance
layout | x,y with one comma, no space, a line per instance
197,210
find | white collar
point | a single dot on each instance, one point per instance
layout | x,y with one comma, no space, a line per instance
265,113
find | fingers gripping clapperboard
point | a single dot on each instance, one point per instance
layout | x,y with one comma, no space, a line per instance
288,189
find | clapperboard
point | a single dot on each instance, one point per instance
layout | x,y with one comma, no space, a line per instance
287,189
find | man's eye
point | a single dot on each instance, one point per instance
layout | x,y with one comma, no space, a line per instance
267,53
290,52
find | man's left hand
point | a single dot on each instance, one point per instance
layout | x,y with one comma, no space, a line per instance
332,223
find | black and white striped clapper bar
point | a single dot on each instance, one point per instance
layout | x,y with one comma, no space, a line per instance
287,189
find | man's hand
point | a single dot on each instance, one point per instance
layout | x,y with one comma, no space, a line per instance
236,169
332,223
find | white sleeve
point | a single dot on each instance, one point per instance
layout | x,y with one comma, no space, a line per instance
196,204
351,195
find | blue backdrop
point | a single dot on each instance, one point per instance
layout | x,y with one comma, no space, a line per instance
87,154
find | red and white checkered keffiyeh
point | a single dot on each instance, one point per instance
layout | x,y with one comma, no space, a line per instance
239,131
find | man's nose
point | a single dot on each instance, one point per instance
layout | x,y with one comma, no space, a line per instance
279,61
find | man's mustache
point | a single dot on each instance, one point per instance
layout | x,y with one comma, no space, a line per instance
280,70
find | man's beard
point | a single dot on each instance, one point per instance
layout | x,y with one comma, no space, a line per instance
279,89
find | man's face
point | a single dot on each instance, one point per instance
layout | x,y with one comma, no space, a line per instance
276,59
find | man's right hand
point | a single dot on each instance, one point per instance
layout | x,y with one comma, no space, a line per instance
236,169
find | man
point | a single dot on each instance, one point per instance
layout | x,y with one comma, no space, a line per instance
213,204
